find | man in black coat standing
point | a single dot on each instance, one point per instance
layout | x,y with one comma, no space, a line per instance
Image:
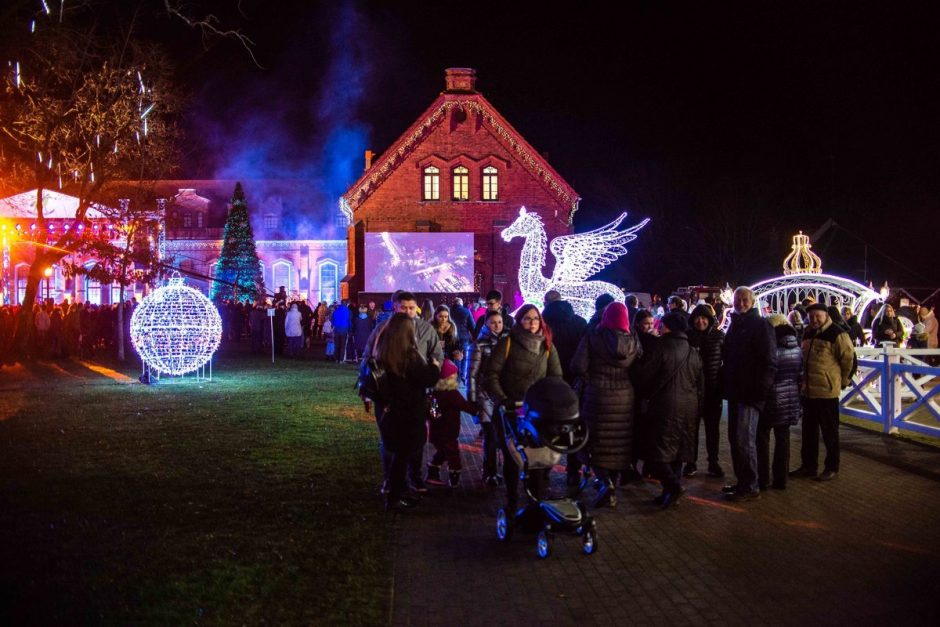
749,363
463,322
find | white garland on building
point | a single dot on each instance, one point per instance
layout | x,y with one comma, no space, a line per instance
176,329
577,258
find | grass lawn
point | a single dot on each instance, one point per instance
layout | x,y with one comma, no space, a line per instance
250,499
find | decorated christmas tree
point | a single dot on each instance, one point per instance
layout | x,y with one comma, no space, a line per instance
238,273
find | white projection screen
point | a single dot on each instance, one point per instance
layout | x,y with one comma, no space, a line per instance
419,262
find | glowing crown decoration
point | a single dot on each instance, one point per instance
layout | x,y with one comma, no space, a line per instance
577,258
176,329
802,260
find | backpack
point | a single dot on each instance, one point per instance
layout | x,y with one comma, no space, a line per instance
369,383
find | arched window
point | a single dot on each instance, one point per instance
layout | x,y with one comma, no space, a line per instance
200,219
22,272
283,272
329,285
490,183
187,220
432,183
461,183
92,287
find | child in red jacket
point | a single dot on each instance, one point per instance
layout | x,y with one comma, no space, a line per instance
445,430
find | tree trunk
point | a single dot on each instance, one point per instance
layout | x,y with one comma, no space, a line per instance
120,326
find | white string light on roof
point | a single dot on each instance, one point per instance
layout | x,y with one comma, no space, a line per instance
176,329
577,258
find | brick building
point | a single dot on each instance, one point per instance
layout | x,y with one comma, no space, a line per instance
461,167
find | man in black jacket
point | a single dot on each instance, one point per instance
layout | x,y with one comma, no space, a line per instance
463,322
749,363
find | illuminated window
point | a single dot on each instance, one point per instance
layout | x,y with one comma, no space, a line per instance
282,275
270,221
461,183
490,183
432,183
187,220
200,219
328,287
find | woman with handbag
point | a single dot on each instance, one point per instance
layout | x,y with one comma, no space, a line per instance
518,361
602,361
406,376
671,376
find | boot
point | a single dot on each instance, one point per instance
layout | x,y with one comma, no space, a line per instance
434,475
454,479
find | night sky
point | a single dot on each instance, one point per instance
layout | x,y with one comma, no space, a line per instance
731,125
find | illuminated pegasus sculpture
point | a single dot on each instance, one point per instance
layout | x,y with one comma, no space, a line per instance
577,258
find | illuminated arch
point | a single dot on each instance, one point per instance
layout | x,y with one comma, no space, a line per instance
781,293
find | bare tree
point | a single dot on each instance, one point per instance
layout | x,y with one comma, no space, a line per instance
78,109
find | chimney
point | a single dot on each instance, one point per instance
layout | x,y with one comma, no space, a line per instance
460,80
369,156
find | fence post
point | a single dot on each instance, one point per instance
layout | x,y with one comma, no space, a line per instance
890,388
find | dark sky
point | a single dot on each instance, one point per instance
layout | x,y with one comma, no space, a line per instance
731,124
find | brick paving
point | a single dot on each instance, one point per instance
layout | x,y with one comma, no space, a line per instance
862,550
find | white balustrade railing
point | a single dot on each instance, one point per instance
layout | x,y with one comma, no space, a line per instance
891,386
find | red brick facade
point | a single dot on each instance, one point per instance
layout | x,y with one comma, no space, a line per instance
460,129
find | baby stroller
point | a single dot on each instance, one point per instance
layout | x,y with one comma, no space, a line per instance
536,435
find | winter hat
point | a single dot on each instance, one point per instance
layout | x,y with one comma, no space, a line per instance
615,317
705,311
448,369
778,320
817,307
676,322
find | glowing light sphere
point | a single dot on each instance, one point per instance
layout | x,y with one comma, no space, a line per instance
176,329
577,258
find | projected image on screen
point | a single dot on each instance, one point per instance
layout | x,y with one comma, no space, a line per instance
419,262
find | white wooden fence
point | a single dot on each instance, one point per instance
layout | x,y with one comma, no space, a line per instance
891,385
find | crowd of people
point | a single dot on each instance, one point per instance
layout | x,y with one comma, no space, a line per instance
647,382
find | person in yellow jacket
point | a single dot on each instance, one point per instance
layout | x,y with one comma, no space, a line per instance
829,358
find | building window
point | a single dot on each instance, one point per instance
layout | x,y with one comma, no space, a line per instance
432,183
22,272
282,272
490,183
187,220
92,287
200,219
328,288
270,221
461,183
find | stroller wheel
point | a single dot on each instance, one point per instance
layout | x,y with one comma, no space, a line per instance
543,544
503,525
589,540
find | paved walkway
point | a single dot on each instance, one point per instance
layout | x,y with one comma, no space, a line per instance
861,550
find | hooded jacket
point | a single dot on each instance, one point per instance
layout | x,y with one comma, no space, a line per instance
517,362
671,378
829,356
783,406
480,352
708,343
602,360
567,329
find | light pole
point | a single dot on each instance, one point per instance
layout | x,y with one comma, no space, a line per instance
48,273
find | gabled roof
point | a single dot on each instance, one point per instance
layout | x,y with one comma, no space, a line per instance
55,206
373,178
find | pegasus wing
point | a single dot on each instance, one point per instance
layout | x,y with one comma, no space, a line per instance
582,255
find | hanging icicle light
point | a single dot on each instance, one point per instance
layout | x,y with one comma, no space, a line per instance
176,329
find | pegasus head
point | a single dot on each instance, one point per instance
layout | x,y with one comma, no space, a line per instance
526,224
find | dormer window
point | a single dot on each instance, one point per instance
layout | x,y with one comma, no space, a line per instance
270,221
461,183
432,183
490,183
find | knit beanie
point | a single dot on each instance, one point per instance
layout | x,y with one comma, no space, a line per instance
676,322
448,369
